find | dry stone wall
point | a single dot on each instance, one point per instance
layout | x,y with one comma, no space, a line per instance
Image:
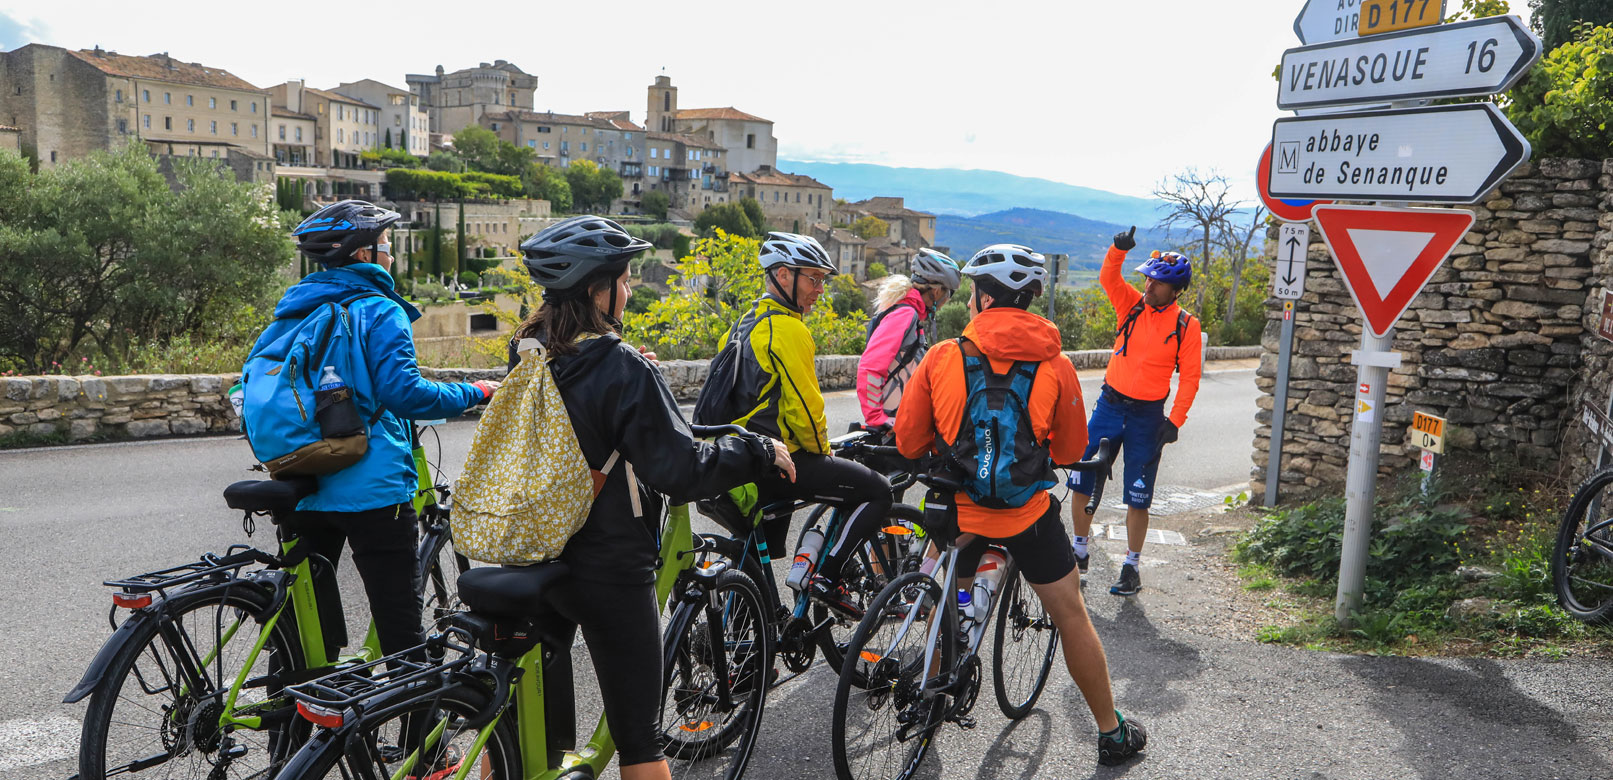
1495,343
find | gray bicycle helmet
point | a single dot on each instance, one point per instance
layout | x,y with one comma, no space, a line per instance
564,254
1011,265
331,234
932,267
795,251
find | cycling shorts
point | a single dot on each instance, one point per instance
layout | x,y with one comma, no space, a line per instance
1041,551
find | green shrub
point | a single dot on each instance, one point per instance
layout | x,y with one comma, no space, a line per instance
469,278
431,291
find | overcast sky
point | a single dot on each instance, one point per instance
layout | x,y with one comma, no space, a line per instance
1111,95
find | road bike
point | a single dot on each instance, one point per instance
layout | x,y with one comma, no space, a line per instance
913,665
192,679
491,695
1582,561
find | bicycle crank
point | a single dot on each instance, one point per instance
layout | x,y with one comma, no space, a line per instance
796,647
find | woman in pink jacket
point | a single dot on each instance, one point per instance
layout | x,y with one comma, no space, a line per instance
900,333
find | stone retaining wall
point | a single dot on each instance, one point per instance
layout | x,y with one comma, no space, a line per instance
1493,344
85,407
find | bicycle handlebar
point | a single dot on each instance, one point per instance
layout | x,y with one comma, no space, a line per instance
713,431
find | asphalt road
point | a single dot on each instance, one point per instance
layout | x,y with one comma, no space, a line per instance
71,517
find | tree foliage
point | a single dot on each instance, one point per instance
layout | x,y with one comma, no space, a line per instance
99,256
1200,202
1565,106
715,286
545,183
387,157
1558,21
877,271
870,227
592,187
729,218
753,213
655,203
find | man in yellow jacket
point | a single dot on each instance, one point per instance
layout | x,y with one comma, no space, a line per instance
777,380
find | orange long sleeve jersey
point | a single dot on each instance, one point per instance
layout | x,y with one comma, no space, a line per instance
1142,364
934,399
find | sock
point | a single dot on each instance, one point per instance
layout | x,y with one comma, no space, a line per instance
1119,729
1133,557
1079,545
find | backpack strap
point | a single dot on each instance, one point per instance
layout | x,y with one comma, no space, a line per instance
1127,326
632,481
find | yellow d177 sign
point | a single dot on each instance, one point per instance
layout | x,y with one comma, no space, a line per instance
1381,16
1428,432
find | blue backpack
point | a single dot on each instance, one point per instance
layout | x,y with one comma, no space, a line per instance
298,412
1003,463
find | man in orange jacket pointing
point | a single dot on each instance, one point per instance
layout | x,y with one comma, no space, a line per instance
1156,339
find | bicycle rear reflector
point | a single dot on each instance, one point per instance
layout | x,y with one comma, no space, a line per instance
131,600
897,530
320,716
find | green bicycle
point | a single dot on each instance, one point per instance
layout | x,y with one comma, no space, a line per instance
193,680
496,700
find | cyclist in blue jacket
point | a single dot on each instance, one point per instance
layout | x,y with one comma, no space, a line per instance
367,505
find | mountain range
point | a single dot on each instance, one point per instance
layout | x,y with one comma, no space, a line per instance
1048,232
970,193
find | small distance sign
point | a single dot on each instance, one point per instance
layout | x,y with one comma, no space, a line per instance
1428,432
1604,327
1381,16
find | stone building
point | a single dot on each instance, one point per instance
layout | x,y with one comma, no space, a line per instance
844,247
11,139
908,227
67,104
689,168
499,224
291,135
747,138
457,100
343,128
403,123
790,201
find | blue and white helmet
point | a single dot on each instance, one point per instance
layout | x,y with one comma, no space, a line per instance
331,234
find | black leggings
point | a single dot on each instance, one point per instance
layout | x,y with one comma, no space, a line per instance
864,494
385,545
622,627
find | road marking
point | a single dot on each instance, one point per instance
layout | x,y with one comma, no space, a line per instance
1117,532
25,742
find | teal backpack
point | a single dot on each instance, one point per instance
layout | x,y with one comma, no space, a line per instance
299,414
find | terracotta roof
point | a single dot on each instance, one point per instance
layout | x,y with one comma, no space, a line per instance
161,67
620,119
685,139
559,119
886,206
339,98
289,114
9,128
776,179
727,112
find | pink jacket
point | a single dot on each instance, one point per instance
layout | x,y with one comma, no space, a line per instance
879,380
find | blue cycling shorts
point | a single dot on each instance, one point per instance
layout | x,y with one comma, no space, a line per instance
1135,426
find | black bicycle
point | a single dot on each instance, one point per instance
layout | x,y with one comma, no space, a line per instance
1582,562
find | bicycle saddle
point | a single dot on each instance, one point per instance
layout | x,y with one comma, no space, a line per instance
510,591
269,495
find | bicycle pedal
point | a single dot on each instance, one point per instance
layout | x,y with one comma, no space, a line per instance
964,722
231,750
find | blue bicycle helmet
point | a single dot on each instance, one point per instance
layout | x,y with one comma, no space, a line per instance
332,233
1172,268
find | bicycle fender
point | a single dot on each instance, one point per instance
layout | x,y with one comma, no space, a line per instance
127,629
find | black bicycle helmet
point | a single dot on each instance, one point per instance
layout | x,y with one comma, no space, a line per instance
564,254
332,233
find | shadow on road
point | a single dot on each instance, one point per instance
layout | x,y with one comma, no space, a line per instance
1019,749
1467,719
1147,662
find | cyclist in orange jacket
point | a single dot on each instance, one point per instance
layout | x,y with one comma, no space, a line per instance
1156,338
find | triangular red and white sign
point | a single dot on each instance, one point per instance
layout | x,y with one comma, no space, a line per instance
1386,255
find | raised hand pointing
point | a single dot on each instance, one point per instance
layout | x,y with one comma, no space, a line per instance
1126,241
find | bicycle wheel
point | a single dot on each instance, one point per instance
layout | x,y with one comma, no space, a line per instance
160,701
882,731
1024,647
442,566
865,575
1582,562
709,729
380,748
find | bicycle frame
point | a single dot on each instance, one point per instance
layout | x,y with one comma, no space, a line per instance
527,692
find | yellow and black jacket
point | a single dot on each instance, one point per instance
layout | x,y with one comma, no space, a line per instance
778,377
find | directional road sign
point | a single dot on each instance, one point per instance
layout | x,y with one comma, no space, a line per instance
1288,279
1386,255
1428,432
1287,210
1327,20
1438,154
1480,57
1381,16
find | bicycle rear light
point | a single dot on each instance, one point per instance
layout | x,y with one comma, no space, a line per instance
320,716
131,600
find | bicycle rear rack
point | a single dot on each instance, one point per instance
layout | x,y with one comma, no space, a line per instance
353,685
210,567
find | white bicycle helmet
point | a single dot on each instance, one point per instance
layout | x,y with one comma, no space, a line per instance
1011,265
793,250
932,267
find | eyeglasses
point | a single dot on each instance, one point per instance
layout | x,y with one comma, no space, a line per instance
383,249
817,281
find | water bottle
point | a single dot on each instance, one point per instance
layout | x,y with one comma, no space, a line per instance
331,380
988,575
334,407
966,612
811,543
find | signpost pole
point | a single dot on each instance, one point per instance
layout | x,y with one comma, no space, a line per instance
1360,487
1279,411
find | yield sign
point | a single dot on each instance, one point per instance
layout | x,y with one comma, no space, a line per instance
1387,255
